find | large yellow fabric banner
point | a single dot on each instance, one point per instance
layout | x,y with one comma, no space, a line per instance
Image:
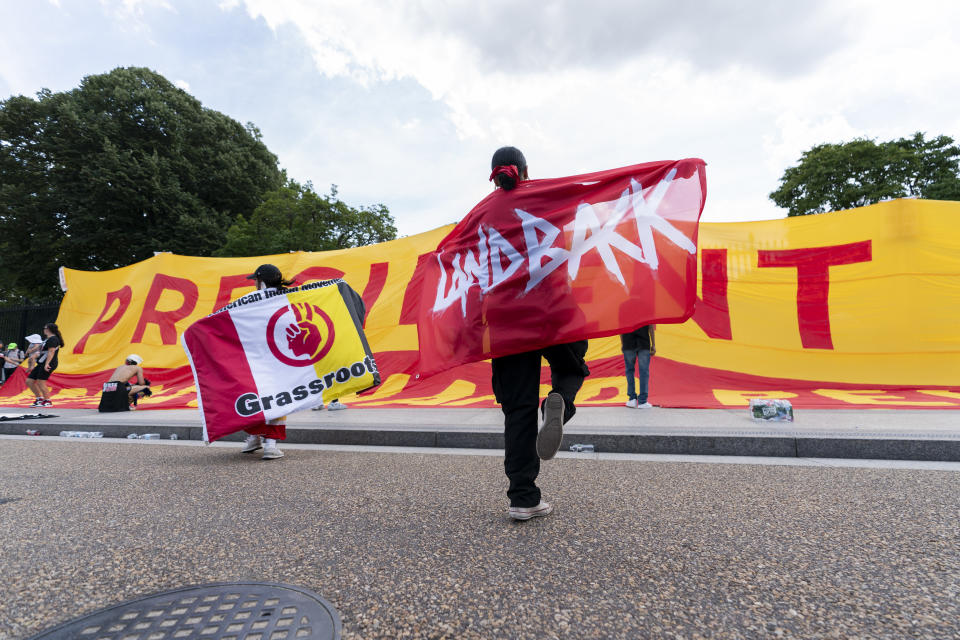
849,309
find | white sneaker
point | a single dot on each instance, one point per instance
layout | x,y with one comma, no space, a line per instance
645,405
319,407
525,513
336,405
632,403
551,433
272,452
251,444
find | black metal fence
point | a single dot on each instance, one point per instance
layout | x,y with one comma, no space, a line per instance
20,321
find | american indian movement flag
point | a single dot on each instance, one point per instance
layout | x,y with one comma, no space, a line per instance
271,353
560,260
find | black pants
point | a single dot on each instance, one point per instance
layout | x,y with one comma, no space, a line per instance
516,384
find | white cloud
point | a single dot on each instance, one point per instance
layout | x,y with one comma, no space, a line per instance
183,84
409,97
131,15
581,86
794,134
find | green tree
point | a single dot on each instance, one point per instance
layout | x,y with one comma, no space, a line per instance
831,177
295,218
110,172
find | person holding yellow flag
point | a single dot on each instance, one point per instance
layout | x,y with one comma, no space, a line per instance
276,351
268,278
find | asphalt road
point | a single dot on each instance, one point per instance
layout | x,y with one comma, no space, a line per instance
418,545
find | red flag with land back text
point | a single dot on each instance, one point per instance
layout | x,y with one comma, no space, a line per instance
560,260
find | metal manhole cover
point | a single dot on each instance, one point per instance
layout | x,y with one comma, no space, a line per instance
222,611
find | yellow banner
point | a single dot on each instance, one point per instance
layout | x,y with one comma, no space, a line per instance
854,308
878,302
146,306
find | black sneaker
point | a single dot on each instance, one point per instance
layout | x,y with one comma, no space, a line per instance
551,433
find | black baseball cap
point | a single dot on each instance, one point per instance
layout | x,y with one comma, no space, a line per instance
266,273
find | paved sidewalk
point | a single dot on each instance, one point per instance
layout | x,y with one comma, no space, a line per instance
869,434
418,545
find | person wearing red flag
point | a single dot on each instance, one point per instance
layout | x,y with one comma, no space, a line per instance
540,266
516,385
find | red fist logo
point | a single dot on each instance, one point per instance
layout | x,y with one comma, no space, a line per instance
309,334
304,337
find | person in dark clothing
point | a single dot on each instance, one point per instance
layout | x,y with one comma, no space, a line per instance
637,347
47,362
516,385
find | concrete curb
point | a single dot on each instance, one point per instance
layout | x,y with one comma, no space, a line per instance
864,448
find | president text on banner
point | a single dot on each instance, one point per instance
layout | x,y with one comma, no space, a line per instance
852,309
270,353
563,259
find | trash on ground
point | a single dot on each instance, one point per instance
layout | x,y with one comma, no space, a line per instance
771,409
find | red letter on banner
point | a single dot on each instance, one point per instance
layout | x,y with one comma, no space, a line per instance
378,278
317,273
229,284
411,297
712,314
166,320
104,324
813,284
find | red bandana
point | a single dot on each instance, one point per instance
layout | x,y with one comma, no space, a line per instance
508,169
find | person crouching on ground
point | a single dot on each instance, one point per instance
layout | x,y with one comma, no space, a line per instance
516,385
125,386
47,362
267,277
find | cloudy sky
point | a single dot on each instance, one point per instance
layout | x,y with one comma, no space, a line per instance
403,101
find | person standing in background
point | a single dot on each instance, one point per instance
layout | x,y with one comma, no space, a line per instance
47,362
12,357
334,405
637,347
